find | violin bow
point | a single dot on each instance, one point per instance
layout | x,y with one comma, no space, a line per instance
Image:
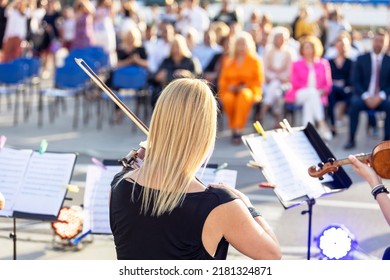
85,67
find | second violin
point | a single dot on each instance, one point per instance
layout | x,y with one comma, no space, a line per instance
379,159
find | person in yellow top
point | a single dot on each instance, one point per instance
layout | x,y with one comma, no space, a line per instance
304,26
240,83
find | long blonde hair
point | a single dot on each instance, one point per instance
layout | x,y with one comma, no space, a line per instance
181,137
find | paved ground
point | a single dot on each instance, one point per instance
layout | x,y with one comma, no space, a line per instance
35,239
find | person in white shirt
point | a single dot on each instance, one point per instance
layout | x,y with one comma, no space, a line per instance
159,49
192,15
205,52
17,14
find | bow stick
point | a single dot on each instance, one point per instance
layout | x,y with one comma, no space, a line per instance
85,67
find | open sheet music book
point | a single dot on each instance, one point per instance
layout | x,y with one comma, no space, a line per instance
34,185
98,184
286,157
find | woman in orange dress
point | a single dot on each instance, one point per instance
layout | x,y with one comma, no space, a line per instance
240,83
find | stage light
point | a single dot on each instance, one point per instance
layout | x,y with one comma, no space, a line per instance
336,242
69,223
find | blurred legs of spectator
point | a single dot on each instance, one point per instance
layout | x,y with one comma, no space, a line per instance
337,103
313,110
273,100
237,107
12,48
372,123
357,105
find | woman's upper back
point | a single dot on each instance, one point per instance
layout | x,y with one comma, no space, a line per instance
177,235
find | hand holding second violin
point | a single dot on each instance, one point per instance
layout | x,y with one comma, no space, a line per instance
365,171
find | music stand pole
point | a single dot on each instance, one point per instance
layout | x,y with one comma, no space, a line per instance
13,236
310,204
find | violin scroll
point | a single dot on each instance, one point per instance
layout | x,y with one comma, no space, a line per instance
319,171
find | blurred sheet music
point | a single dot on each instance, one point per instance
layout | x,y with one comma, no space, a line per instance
96,198
209,176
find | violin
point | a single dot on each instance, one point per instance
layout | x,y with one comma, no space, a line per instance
379,159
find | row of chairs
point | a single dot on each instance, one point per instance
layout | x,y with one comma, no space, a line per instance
18,79
71,82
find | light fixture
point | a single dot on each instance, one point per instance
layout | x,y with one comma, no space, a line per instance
69,222
336,242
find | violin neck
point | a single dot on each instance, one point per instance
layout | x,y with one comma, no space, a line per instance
361,157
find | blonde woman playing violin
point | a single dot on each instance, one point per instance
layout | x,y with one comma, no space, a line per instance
161,211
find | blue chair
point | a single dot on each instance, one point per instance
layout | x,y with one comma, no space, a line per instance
70,81
94,56
12,76
135,80
290,110
31,67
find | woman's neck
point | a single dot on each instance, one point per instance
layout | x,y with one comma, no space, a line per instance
177,58
309,60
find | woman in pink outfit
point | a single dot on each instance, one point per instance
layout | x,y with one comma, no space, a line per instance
311,82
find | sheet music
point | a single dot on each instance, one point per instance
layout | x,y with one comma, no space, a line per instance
286,158
96,198
13,165
209,176
45,183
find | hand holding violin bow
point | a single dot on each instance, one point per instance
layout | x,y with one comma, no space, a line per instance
379,160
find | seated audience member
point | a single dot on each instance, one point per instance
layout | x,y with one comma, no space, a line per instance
341,69
311,82
240,83
180,63
131,52
278,57
205,52
371,84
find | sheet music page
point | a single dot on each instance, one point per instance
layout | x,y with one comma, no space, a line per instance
286,158
45,183
209,176
13,165
301,155
96,198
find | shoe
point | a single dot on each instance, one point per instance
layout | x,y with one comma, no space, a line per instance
326,134
349,145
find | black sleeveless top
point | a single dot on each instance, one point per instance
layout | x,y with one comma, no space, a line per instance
174,236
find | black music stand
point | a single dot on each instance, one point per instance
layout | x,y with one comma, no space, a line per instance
308,139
